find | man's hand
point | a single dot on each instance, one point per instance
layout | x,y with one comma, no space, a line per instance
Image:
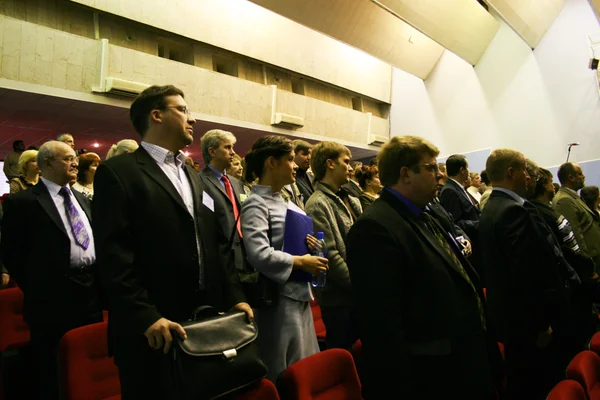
5,279
159,334
245,307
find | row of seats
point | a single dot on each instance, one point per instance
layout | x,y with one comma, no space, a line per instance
583,376
89,373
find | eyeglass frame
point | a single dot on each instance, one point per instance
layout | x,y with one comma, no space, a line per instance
183,109
68,159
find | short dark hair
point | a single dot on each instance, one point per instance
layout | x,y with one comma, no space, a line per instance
540,186
589,195
301,146
484,177
402,151
262,149
152,98
17,144
365,173
454,163
373,161
564,171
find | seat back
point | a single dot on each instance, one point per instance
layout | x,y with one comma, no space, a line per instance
595,343
585,369
14,332
264,390
318,321
567,390
330,375
87,372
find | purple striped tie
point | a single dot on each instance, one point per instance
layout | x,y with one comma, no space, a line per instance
77,227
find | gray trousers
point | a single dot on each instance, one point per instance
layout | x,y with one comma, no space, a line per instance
286,334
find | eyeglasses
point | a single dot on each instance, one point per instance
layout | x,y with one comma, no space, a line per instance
182,109
69,159
431,167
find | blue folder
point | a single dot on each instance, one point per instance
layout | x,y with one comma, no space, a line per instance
297,226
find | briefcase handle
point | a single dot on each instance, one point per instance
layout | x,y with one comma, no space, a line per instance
204,312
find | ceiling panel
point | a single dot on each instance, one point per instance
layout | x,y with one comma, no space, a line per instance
366,26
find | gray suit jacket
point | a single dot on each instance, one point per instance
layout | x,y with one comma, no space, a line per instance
585,223
224,213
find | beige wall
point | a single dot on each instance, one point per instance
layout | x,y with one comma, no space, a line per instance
34,54
245,28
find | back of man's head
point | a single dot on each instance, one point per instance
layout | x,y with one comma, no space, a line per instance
566,170
502,167
454,163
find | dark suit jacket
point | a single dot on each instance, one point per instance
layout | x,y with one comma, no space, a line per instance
147,253
465,214
224,214
352,189
525,292
418,317
36,251
445,219
304,185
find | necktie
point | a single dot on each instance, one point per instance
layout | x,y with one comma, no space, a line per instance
77,227
236,212
435,230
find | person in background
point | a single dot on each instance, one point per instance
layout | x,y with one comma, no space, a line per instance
476,183
334,215
30,172
353,187
584,221
236,169
287,332
556,187
303,151
419,301
368,179
488,189
11,162
88,163
67,138
122,147
196,166
591,197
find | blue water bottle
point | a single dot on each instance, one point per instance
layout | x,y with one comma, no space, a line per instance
320,279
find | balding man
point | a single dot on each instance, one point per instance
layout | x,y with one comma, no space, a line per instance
66,138
48,247
421,315
525,292
584,221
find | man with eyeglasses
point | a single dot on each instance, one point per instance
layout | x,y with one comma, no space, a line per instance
420,306
526,290
156,240
48,247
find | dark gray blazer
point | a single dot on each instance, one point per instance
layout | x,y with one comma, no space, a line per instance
224,213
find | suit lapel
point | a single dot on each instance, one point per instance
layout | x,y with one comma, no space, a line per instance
45,200
579,201
425,234
212,178
150,168
193,178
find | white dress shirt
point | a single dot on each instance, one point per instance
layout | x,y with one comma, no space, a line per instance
79,257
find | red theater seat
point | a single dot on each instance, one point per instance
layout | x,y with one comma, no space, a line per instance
595,343
264,390
585,369
14,332
87,372
318,321
330,375
567,390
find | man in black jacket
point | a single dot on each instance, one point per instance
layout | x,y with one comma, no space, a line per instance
525,289
421,312
157,244
48,248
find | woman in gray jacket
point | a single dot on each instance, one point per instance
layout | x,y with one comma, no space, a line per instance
286,330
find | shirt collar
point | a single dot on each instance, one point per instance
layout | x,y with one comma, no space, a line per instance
219,174
571,190
263,190
461,186
512,194
411,206
162,155
52,187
